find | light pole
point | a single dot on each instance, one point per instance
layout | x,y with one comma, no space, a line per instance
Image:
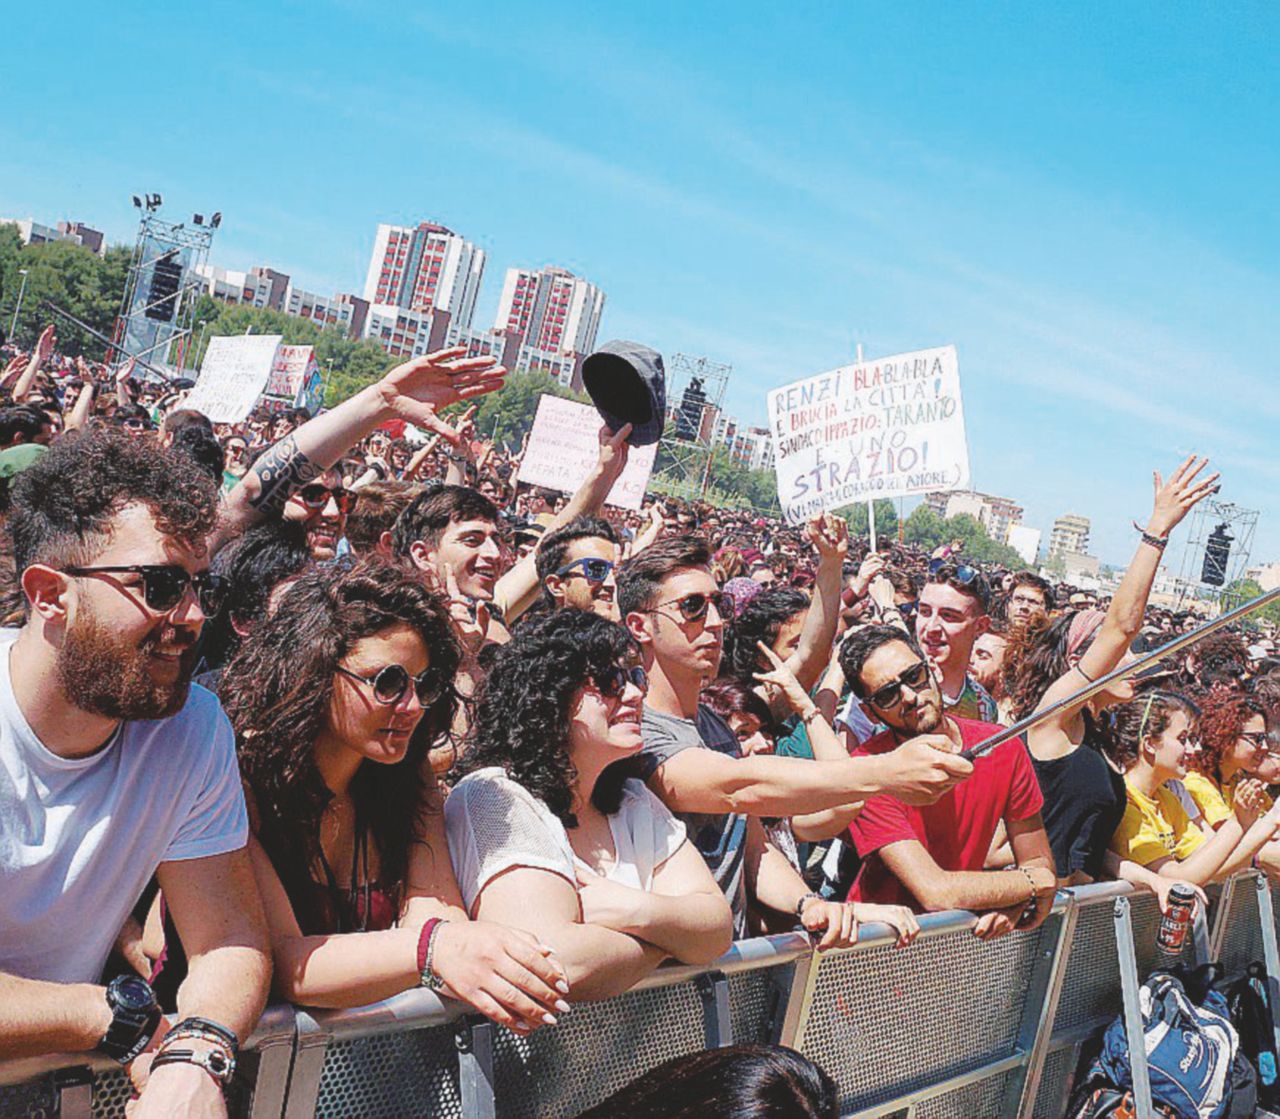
22,287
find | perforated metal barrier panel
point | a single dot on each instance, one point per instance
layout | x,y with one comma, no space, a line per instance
951,1028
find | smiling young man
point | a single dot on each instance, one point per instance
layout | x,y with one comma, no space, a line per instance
452,528
692,761
577,566
931,857
950,616
113,768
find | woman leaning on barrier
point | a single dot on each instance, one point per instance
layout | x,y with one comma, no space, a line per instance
1152,739
547,837
336,700
1084,795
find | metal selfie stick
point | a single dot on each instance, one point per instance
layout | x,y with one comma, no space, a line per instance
1145,661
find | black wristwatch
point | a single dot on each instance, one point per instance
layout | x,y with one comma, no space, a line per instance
135,1015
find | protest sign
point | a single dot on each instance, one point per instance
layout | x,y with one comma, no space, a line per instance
885,428
233,375
564,447
295,380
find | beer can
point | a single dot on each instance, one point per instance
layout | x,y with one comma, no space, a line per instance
1172,933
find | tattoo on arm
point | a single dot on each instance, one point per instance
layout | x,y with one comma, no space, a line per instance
280,470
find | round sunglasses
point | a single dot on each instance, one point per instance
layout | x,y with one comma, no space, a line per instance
164,585
613,682
693,607
390,683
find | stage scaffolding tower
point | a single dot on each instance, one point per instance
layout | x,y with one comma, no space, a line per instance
695,403
157,313
1208,518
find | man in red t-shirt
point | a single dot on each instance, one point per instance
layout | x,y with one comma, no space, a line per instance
932,857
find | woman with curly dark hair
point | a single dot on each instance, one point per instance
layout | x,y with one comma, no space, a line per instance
1233,744
547,837
1152,739
335,700
1084,796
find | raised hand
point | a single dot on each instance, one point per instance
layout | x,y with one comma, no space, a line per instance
126,371
614,450
1176,498
44,346
829,534
420,389
781,678
470,618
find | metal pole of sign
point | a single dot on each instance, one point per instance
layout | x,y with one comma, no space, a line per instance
871,504
17,307
1135,666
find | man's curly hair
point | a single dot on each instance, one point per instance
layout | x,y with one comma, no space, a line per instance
524,707
64,503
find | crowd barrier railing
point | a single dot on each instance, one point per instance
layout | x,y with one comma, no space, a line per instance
949,1028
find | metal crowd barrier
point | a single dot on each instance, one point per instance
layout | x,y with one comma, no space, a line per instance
950,1028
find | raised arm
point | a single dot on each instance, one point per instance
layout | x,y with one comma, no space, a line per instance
415,392
82,409
44,347
1173,501
518,588
702,780
830,535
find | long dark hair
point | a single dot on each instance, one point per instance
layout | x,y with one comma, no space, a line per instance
734,1082
1130,724
277,692
1035,659
523,709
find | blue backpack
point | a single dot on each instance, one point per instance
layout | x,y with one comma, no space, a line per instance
1190,1049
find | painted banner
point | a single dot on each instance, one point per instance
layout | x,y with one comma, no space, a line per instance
233,375
892,427
563,449
295,380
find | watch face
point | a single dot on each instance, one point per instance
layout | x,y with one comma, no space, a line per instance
132,993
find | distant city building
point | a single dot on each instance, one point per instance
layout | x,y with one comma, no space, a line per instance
31,232
996,514
92,239
552,308
1069,536
403,333
753,448
258,287
425,268
1267,575
346,312
501,345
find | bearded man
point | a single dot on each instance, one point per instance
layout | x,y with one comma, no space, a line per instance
113,768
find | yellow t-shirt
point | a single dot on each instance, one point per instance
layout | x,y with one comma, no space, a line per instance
1214,805
1155,829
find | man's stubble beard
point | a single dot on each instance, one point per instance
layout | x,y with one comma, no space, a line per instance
104,675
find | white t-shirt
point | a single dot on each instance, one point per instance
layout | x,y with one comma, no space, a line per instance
80,838
495,824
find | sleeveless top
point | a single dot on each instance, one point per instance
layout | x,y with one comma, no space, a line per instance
1084,802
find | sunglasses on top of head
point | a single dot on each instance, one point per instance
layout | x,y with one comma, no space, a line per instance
960,573
593,569
613,682
390,683
693,607
316,495
890,695
165,584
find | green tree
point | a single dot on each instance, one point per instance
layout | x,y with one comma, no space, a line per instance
886,520
504,416
70,277
1245,590
924,528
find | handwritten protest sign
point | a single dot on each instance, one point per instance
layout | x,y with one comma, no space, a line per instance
885,428
233,375
563,449
295,379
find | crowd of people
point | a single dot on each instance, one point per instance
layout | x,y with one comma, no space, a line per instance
313,709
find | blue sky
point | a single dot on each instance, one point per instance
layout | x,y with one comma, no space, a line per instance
1080,197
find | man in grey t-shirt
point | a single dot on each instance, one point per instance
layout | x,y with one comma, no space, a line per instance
719,837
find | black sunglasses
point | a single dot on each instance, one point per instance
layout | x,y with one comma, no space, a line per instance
317,495
693,607
890,695
165,584
390,683
594,570
613,682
